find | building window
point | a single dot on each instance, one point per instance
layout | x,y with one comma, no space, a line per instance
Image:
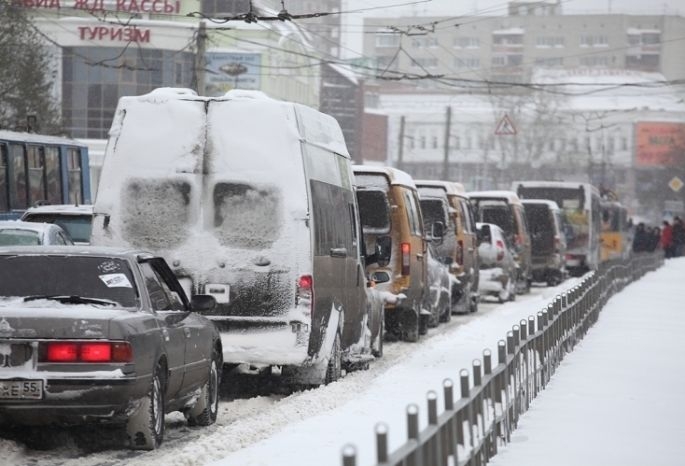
499,60
546,42
467,42
594,40
225,7
550,61
425,62
387,39
467,63
423,42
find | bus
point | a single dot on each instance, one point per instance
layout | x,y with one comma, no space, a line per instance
615,238
37,169
581,214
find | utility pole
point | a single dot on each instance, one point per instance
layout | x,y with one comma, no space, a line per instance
200,59
446,157
400,152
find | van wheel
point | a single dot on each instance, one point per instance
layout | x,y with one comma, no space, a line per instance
207,406
411,324
145,428
474,304
334,368
377,344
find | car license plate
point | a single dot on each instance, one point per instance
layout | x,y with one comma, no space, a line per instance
21,389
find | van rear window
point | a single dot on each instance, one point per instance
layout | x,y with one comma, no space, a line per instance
372,180
374,211
433,211
497,212
246,216
155,213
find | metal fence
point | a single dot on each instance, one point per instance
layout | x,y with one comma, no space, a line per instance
470,429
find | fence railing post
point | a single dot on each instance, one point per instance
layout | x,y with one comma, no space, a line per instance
349,455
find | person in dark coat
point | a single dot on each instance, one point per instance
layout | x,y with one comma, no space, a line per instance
640,239
678,233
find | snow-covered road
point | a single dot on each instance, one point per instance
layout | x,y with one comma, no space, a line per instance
310,427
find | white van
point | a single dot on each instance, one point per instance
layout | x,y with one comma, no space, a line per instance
250,200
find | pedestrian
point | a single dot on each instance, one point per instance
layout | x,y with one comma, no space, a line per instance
640,238
678,234
667,239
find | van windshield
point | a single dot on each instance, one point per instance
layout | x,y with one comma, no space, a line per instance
156,212
247,216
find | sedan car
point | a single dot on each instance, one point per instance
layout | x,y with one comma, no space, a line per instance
15,233
77,220
498,267
103,335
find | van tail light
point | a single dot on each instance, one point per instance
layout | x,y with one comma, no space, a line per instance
557,243
304,292
406,257
499,244
460,252
86,351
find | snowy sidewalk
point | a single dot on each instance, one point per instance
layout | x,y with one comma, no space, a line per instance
619,397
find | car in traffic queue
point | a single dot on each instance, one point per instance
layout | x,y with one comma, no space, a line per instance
462,253
17,233
75,219
548,243
93,335
498,268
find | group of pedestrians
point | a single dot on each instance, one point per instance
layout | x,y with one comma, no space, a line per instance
673,238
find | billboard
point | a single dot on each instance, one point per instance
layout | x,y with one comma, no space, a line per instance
659,144
226,71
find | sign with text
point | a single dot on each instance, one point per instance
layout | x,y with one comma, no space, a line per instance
226,71
659,144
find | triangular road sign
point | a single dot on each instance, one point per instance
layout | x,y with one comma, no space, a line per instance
505,127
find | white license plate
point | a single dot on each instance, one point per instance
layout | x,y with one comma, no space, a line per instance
21,389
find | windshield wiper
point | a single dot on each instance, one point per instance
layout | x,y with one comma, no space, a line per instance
72,299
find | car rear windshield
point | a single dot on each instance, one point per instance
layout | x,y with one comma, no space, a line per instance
247,216
103,278
13,237
78,227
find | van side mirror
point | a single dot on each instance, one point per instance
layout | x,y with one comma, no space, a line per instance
438,230
202,303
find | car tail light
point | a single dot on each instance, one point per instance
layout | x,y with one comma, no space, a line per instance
304,292
86,351
460,252
500,249
406,257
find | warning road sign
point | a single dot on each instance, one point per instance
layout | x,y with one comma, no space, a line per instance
676,184
505,127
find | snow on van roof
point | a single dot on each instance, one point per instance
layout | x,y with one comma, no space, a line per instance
451,187
551,204
510,196
551,184
395,175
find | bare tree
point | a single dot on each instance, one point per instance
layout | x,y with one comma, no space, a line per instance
26,75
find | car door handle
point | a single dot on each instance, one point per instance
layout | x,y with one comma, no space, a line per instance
186,330
338,252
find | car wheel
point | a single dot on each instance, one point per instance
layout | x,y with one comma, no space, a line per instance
411,326
334,367
145,428
377,345
473,304
512,289
206,408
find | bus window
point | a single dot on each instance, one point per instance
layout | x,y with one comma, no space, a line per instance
36,165
53,175
4,185
74,168
18,192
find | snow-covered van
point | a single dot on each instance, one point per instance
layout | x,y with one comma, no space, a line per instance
250,200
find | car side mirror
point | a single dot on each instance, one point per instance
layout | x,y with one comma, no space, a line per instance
380,277
438,230
202,303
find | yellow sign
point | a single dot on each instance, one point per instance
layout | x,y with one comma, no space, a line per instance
676,184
